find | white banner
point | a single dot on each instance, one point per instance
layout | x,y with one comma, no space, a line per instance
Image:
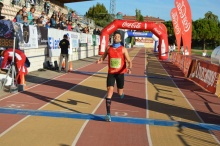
89,39
83,38
54,37
75,39
30,37
97,40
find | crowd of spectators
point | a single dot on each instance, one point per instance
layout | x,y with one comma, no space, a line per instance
57,20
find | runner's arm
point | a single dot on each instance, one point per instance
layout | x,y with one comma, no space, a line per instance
128,59
102,58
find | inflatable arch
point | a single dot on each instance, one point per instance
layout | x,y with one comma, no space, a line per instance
143,34
155,28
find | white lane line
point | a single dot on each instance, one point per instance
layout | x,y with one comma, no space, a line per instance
124,110
44,92
17,123
41,83
147,105
22,102
86,122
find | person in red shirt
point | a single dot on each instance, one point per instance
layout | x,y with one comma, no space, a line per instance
117,58
19,61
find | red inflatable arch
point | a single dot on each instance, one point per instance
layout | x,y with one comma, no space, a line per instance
158,29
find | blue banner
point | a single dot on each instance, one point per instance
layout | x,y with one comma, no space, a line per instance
139,34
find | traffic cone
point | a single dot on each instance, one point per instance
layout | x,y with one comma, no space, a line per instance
63,64
70,66
21,82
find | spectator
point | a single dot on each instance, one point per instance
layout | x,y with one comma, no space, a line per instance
53,21
25,21
47,7
86,30
57,23
45,18
19,17
24,9
74,16
40,21
48,24
69,25
62,23
31,16
1,6
77,28
96,31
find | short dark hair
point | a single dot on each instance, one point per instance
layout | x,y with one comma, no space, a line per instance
65,36
117,32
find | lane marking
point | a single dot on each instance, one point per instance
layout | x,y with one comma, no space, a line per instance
28,88
125,110
131,120
22,102
86,122
147,105
17,123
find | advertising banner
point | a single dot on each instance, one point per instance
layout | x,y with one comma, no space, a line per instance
176,26
26,36
54,37
89,40
83,38
75,39
97,40
6,34
206,75
185,16
42,33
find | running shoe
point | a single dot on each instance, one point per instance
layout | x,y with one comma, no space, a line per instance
122,95
108,117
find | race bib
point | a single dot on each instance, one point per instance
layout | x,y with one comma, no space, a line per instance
115,62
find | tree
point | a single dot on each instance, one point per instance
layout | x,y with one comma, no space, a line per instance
210,16
205,30
99,14
139,17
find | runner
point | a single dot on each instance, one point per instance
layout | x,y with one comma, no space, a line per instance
117,57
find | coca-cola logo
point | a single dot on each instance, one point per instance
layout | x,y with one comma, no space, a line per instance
157,31
111,27
182,13
175,19
136,25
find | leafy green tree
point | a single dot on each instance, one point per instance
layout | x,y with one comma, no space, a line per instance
170,32
99,14
139,16
205,30
210,16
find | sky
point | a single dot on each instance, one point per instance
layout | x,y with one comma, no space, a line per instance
154,8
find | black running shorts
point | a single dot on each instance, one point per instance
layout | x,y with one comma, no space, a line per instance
119,78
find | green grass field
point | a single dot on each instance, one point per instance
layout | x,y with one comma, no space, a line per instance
199,52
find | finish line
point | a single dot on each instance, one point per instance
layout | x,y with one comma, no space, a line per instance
129,120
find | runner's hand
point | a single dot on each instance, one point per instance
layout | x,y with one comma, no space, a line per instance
129,71
99,61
